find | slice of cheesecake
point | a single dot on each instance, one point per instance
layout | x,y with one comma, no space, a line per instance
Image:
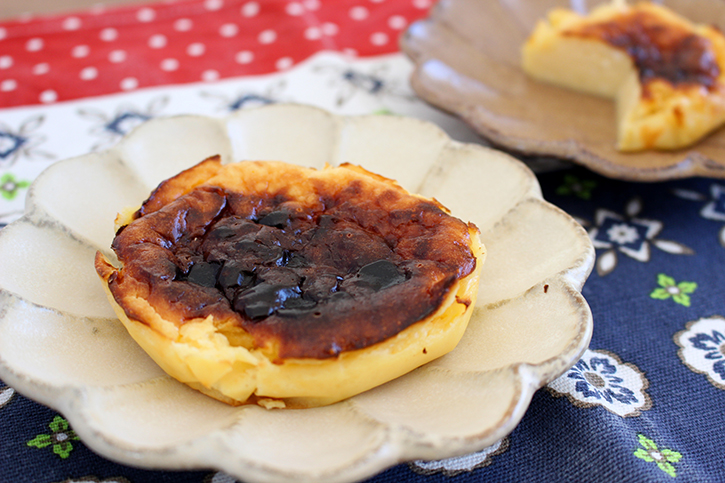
666,74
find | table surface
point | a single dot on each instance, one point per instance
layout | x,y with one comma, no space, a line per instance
645,402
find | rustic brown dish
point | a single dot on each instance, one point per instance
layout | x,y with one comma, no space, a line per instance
467,61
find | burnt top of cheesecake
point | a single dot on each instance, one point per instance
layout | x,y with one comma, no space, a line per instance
313,265
660,49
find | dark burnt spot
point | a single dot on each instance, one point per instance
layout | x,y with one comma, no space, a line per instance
276,219
298,307
204,274
380,275
264,299
546,288
295,260
348,272
233,278
222,232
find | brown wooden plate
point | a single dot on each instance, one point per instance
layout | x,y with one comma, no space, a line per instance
467,62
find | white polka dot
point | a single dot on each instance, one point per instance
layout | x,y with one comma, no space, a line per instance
422,4
48,96
209,75
157,41
350,52
313,33
108,34
80,51
329,28
183,25
145,14
169,65
42,68
359,13
379,38
377,1
97,9
89,73
128,83
117,56
284,63
267,36
196,49
212,5
6,62
72,23
35,44
311,4
3,33
244,57
8,85
397,22
295,9
25,17
228,30
250,9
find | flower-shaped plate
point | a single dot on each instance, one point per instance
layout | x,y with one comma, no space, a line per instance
61,344
467,57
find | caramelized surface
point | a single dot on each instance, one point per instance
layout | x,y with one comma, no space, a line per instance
312,264
659,50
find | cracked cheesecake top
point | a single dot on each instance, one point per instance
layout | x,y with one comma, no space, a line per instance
308,263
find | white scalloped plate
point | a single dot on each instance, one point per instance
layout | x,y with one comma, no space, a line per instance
61,344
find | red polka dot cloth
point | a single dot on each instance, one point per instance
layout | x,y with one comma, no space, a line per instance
104,51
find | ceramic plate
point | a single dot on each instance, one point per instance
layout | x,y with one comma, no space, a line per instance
467,56
61,344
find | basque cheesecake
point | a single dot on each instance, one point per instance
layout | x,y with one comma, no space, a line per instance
665,73
268,283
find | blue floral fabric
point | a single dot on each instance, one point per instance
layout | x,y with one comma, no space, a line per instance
645,402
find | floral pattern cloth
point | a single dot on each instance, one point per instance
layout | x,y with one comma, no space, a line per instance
644,402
